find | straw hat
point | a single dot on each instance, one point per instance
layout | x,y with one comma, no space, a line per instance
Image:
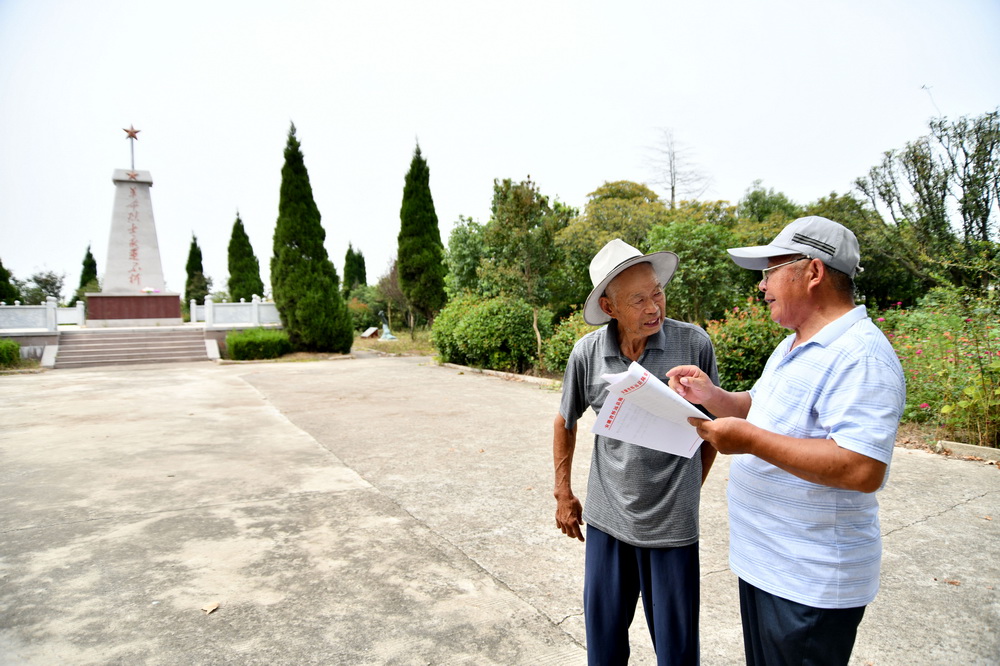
615,257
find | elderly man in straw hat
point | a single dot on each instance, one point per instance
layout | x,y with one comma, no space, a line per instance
642,505
818,429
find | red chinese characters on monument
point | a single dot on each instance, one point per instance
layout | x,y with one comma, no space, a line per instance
135,269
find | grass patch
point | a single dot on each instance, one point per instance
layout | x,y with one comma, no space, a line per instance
404,345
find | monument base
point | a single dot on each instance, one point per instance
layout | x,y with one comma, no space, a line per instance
111,310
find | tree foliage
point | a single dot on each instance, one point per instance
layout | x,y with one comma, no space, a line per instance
522,260
762,205
198,285
88,278
40,286
938,200
466,248
390,293
420,254
244,268
304,280
707,281
620,209
88,274
354,270
8,289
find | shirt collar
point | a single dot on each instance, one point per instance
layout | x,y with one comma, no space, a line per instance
611,347
839,326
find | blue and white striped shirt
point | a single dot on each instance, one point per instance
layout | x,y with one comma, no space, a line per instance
813,544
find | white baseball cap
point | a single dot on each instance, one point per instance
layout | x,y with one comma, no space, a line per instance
610,262
816,237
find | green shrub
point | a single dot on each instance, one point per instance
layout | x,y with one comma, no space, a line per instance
446,322
10,354
257,343
558,347
949,347
743,342
495,333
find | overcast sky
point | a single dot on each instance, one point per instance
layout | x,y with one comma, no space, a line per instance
804,96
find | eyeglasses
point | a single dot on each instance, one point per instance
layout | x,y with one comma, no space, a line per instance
765,273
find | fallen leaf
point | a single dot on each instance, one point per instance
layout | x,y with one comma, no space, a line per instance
210,608
953,582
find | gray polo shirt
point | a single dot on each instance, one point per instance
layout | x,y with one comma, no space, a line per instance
638,495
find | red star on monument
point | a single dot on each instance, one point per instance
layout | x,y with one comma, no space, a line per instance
131,132
132,175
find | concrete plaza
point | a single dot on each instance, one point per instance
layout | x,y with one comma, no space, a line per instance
381,511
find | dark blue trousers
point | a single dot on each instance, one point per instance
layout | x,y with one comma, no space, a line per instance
779,632
615,575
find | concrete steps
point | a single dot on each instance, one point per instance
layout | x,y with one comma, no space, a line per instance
87,348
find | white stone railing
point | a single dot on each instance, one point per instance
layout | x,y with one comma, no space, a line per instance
40,317
231,315
74,315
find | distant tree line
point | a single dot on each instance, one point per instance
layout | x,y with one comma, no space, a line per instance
926,216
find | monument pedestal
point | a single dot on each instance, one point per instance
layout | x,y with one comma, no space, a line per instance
115,310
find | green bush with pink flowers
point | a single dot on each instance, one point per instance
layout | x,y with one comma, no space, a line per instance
949,347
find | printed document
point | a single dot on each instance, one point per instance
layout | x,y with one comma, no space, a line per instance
641,409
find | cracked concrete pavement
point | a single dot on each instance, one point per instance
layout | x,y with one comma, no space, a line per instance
380,511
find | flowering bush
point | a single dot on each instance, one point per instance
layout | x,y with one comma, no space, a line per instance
949,347
743,342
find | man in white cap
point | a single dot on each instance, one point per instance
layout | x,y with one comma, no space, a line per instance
642,505
817,432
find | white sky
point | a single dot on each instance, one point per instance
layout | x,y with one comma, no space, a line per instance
804,96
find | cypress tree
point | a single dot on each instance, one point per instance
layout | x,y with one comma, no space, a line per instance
354,271
89,272
8,290
88,277
304,280
198,285
244,269
420,254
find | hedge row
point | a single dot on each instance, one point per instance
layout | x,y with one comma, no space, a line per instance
257,343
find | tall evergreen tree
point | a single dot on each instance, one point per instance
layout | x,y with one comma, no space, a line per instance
88,278
8,289
244,269
304,280
354,271
89,272
420,255
198,285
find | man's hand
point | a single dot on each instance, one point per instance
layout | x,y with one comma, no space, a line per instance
690,383
569,516
694,385
728,435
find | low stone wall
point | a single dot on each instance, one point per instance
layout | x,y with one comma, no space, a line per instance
229,316
33,343
22,317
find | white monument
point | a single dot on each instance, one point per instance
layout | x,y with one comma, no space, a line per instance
133,291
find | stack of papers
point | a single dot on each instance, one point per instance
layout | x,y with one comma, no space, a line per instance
641,409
